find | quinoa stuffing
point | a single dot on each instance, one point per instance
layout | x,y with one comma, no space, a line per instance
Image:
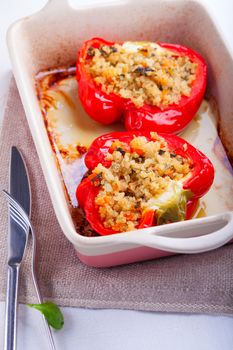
143,72
141,173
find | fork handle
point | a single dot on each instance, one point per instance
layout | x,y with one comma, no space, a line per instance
11,307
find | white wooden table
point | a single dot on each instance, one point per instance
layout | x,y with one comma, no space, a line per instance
115,329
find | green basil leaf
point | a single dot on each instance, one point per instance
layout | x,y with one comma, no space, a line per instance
51,312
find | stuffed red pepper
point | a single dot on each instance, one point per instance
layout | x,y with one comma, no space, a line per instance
152,86
141,179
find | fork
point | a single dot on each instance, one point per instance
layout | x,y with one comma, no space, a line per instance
18,214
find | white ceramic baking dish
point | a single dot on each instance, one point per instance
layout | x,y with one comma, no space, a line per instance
51,37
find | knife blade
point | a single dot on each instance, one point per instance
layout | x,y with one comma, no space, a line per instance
19,188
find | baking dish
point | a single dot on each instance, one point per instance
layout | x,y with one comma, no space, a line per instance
40,41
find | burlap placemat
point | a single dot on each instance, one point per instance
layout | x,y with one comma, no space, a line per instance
198,283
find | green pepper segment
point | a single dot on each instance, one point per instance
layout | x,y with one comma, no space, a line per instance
175,208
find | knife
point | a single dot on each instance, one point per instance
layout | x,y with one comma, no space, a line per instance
19,188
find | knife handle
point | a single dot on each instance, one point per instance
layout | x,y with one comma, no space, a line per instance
11,307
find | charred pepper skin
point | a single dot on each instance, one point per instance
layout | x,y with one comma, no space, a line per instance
109,108
200,179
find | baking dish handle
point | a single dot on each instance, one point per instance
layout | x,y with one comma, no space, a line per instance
56,5
58,2
189,237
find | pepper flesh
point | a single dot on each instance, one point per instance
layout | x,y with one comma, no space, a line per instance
198,183
109,108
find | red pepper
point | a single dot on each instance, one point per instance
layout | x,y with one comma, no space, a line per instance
108,108
199,181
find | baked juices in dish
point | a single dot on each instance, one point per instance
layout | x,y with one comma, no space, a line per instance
151,86
141,179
